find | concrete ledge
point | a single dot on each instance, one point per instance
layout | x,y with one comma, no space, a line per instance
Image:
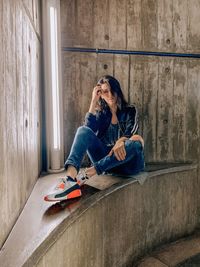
152,262
179,251
109,227
174,254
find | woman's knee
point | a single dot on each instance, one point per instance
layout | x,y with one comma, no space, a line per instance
84,130
137,137
133,146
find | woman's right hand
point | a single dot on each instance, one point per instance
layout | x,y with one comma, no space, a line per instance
96,94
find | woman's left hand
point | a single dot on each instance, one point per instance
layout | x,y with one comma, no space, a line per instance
118,150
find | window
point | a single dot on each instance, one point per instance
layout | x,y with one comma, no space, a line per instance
53,86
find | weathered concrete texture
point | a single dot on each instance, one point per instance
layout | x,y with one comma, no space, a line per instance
19,109
180,253
151,262
134,25
111,227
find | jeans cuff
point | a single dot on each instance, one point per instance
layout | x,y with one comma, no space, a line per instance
98,170
69,162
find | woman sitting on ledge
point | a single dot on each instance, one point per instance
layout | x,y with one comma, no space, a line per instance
109,136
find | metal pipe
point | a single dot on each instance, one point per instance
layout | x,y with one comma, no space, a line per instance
128,52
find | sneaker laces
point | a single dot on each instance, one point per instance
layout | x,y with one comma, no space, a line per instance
82,176
61,183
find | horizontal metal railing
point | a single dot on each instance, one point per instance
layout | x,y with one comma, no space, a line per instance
129,52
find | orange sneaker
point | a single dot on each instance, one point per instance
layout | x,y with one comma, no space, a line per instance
68,188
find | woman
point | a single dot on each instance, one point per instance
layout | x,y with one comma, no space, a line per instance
109,136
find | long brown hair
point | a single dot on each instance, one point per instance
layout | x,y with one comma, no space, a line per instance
115,89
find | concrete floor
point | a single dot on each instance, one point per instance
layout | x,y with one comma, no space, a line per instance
182,253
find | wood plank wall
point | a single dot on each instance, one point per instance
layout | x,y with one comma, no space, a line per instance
20,59
165,89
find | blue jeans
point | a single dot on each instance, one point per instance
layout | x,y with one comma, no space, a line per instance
86,141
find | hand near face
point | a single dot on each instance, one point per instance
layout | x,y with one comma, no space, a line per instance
96,94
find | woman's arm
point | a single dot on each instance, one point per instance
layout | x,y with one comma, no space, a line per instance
96,94
129,133
91,119
131,126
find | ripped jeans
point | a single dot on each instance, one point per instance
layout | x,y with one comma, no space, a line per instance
86,141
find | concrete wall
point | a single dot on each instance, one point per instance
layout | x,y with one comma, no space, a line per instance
117,225
155,25
165,90
20,122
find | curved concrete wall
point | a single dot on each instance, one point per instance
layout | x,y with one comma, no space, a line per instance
115,226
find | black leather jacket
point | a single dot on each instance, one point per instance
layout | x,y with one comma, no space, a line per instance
127,119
